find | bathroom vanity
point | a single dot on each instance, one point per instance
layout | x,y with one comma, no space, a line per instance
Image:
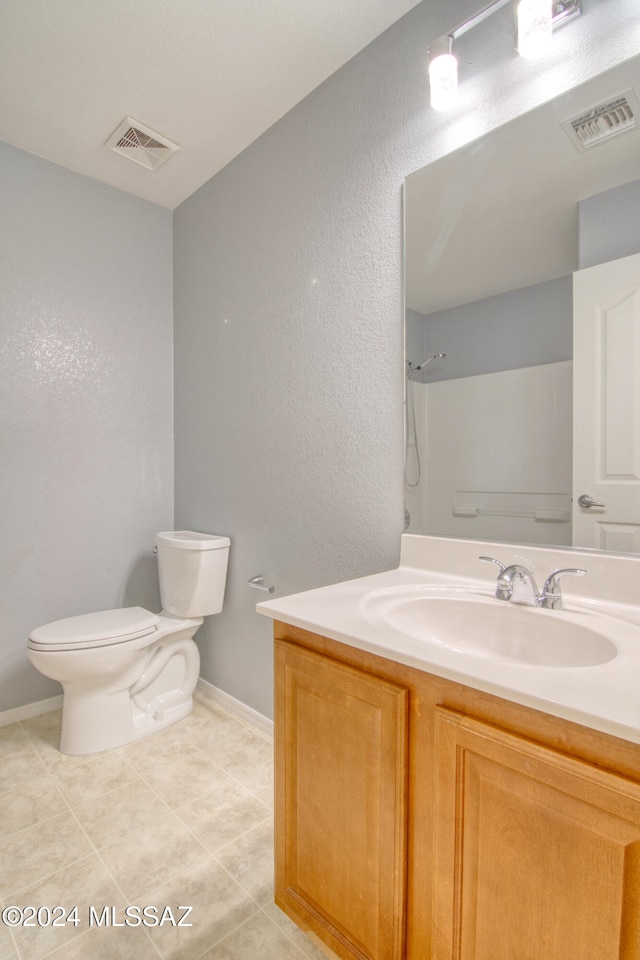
441,802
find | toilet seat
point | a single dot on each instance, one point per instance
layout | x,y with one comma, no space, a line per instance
94,629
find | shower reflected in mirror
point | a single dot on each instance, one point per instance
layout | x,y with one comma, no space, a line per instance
412,467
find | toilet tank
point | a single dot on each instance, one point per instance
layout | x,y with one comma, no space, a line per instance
192,568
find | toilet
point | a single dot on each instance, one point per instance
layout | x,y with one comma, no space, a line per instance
126,673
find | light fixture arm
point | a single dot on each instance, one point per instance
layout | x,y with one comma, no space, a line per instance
563,10
477,18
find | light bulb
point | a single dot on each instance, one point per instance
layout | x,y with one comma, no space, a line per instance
534,28
443,74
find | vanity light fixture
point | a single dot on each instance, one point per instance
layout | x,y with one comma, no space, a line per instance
443,74
443,63
535,21
534,28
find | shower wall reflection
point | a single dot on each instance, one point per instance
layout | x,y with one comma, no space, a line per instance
488,451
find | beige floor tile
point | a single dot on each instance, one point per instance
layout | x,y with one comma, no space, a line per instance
30,804
88,778
208,725
185,778
38,851
249,860
53,760
260,782
82,884
257,938
8,949
240,751
306,946
19,769
45,728
165,746
150,857
127,809
120,797
223,815
43,732
13,739
108,943
219,907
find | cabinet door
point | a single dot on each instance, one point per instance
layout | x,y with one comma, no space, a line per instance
341,753
537,854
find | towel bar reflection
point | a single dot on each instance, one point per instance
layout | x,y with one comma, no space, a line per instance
258,583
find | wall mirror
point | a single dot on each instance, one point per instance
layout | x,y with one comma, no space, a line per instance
522,296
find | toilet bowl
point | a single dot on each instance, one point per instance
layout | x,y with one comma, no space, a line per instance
128,672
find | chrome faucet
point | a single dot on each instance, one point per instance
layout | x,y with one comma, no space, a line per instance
516,584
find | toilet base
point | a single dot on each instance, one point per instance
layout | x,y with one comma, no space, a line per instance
97,725
96,719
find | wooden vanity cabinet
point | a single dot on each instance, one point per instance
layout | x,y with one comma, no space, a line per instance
536,853
341,810
418,818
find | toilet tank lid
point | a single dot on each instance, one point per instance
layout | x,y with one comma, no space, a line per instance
189,540
106,625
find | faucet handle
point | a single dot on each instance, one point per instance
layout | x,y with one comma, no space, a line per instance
502,592
552,592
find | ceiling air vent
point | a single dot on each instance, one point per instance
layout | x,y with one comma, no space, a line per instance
604,121
141,144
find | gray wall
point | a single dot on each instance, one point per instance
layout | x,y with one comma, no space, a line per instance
520,328
85,403
289,318
609,225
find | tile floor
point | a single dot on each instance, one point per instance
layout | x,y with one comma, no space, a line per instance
181,818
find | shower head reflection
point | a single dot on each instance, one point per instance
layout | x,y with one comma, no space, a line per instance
436,356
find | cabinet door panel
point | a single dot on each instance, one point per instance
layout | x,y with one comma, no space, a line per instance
341,757
537,854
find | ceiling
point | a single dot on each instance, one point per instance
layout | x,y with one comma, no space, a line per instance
210,75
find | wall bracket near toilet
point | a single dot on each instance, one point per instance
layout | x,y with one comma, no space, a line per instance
258,583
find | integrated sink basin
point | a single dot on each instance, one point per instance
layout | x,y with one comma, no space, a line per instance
437,612
473,623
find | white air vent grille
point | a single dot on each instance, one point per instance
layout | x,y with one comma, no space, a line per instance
604,121
139,143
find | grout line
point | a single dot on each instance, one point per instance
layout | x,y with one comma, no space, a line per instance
150,894
30,749
216,943
237,883
94,850
240,836
126,899
16,948
285,933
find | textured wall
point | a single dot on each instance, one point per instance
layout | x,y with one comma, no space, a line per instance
85,403
289,321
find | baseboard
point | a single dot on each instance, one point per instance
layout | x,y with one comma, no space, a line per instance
236,707
30,710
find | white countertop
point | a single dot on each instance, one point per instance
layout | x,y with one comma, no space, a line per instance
605,697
